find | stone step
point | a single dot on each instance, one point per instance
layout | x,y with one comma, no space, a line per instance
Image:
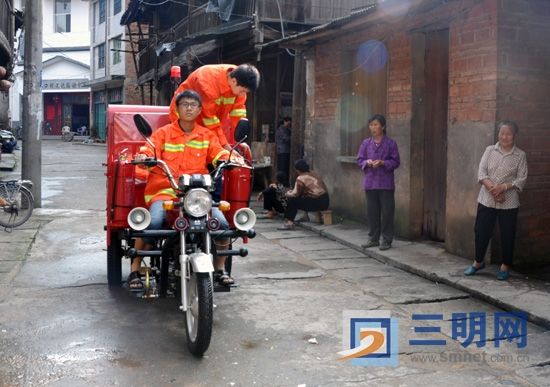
7,162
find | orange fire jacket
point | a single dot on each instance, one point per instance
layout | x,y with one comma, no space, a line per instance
184,153
221,109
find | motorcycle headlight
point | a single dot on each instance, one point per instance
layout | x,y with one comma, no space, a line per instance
197,202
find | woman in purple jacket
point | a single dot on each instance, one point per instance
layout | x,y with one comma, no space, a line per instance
378,157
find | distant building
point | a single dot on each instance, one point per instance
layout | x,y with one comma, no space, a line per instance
65,67
113,79
9,20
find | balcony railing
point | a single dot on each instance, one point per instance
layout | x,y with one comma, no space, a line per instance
311,12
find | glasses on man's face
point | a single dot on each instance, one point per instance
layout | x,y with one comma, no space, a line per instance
189,105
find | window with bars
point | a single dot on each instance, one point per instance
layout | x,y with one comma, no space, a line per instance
101,56
62,16
117,7
116,45
115,95
364,94
101,11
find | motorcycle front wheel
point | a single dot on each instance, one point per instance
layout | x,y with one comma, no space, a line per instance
199,314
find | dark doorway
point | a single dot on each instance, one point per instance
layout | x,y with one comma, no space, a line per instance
436,76
81,116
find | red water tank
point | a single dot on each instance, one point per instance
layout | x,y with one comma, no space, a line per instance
237,188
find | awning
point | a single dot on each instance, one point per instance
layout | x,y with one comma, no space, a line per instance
59,91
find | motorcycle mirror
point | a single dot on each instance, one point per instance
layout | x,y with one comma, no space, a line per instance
242,130
145,129
142,125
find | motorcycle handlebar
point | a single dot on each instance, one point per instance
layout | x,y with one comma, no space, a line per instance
216,174
153,162
149,162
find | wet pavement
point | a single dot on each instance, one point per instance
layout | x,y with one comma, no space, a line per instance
61,325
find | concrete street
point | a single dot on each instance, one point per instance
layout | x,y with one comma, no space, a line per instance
60,325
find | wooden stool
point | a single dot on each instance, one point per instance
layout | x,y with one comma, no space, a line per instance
326,217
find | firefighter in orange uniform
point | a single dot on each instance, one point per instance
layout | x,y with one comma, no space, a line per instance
187,148
223,90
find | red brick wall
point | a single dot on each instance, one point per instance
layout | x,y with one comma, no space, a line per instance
524,97
472,67
471,114
499,67
472,61
327,81
400,78
472,64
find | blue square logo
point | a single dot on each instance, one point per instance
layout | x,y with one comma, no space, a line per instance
369,338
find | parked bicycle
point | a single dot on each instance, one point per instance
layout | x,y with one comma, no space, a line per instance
16,203
66,134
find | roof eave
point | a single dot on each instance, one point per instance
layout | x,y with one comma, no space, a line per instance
356,21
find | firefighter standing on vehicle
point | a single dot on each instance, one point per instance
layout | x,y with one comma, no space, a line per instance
223,89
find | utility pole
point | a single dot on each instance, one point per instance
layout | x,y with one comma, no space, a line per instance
32,99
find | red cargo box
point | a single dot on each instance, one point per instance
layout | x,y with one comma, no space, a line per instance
126,182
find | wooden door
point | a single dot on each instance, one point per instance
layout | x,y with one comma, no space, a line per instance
436,75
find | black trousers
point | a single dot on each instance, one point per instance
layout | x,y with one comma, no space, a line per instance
485,224
307,204
270,200
380,212
283,163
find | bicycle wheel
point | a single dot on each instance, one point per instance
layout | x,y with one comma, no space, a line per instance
67,137
16,204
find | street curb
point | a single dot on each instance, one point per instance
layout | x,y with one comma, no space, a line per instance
8,162
78,140
531,315
90,143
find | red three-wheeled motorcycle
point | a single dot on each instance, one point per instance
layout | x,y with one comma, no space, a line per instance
181,263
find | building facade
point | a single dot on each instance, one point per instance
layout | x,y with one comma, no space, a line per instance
443,73
192,34
8,21
113,79
65,68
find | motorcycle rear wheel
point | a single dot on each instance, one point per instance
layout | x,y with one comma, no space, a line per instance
114,261
16,205
199,314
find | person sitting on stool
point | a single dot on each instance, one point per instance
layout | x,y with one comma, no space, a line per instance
274,196
309,194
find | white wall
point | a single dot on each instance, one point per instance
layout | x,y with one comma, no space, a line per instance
80,30
80,56
104,33
15,92
64,70
59,42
